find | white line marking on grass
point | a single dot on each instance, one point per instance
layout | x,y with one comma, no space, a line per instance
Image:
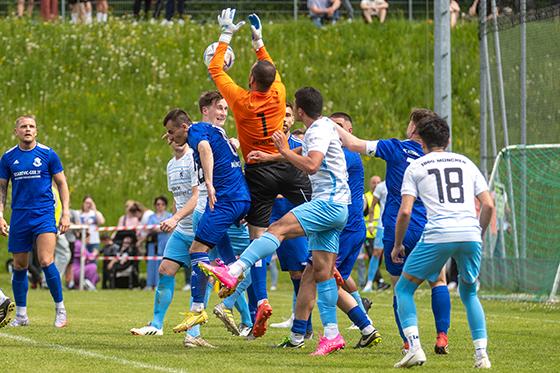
86,353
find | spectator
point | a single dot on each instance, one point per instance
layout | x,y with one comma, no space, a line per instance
102,7
138,6
170,12
454,12
91,217
109,249
349,10
91,278
71,237
322,11
124,272
156,241
131,218
21,8
372,8
49,10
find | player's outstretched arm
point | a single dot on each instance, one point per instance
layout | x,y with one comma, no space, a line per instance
309,164
403,219
258,43
169,224
3,193
62,186
352,142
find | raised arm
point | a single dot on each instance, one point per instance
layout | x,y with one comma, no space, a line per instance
62,186
258,43
352,142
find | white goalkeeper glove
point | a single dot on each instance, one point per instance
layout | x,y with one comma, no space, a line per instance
225,20
256,31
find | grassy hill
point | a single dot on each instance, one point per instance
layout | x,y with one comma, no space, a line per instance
100,92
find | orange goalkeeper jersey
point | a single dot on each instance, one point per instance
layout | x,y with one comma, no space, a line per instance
257,114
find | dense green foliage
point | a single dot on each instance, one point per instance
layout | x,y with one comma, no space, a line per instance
522,338
100,92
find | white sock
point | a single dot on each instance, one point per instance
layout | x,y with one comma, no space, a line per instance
368,330
261,302
480,346
59,305
3,296
331,331
99,17
411,334
21,311
368,284
197,307
105,17
237,268
296,338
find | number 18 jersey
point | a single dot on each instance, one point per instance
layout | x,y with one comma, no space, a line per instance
448,184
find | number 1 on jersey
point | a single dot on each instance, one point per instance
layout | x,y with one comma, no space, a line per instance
263,120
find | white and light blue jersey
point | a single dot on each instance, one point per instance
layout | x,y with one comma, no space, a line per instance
182,176
448,183
330,182
31,172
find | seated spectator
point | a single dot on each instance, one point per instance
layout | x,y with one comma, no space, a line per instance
156,241
372,8
124,271
322,11
108,249
91,278
130,219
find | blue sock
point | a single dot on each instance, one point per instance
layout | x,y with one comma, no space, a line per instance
243,309
327,296
405,297
299,326
359,317
225,251
239,290
397,319
162,299
373,267
258,278
198,278
252,302
475,313
296,283
310,324
441,307
53,281
20,286
260,248
358,299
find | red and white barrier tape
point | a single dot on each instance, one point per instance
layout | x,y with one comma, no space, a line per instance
140,227
129,257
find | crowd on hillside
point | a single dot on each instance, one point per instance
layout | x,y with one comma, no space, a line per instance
321,12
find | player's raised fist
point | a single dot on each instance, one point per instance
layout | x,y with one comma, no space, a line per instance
227,25
256,31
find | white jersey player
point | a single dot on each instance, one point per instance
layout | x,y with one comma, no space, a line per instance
448,184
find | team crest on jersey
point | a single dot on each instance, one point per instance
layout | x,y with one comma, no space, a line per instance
37,162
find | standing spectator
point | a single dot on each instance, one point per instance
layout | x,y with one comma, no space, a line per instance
91,217
109,249
21,8
349,10
138,6
156,241
322,11
62,253
372,8
454,12
102,11
170,12
91,278
131,218
49,10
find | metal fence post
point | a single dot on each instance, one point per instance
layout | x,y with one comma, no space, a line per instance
295,10
442,62
483,91
523,81
83,252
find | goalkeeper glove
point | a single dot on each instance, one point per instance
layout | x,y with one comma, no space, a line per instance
225,20
256,31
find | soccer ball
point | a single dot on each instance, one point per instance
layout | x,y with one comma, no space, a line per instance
229,58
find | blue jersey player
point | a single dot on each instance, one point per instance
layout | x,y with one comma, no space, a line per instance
228,198
398,154
32,167
448,183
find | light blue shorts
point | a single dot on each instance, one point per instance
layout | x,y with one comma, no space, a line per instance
177,248
427,259
322,223
378,242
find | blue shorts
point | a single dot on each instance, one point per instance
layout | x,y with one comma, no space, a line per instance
280,208
322,223
350,245
411,238
378,242
26,225
233,243
177,248
214,224
292,254
427,259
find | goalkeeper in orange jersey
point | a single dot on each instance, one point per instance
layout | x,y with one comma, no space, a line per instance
258,112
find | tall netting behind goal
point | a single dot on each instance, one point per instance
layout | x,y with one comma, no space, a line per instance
520,104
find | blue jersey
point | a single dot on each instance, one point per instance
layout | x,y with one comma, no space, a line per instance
31,172
398,155
294,142
355,170
228,178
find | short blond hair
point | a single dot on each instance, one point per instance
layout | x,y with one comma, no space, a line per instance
27,116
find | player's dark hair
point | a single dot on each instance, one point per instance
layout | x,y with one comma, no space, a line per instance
208,99
289,105
177,117
297,132
343,115
264,73
162,199
417,114
433,131
310,101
